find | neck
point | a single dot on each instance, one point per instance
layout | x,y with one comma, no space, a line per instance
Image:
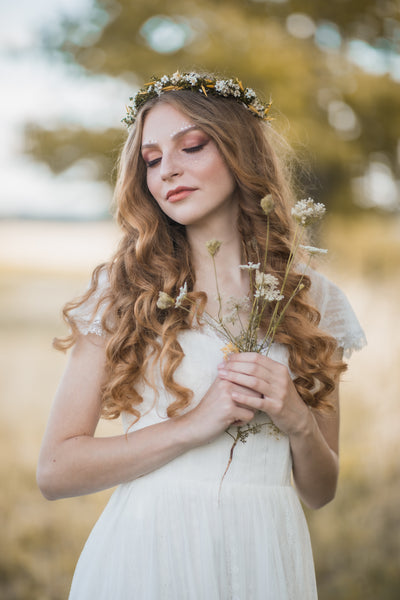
232,281
229,255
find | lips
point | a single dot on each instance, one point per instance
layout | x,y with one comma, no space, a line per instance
179,193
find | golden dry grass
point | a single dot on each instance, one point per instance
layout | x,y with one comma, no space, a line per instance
355,538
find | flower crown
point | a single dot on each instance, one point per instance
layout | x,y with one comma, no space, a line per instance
206,85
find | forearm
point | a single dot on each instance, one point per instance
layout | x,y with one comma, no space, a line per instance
315,464
84,464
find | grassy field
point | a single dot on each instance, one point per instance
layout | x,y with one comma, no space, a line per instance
355,538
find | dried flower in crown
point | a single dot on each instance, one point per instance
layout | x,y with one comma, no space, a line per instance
205,85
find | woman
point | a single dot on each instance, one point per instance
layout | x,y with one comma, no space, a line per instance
196,163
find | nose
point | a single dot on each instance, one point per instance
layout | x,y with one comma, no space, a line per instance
170,166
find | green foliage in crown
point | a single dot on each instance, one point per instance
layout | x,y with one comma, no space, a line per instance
205,85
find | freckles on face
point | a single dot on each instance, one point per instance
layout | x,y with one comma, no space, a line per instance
186,174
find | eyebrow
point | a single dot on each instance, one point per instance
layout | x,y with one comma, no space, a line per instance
176,135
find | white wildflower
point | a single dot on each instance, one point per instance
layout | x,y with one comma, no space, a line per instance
256,104
158,86
230,318
181,296
268,294
235,89
191,78
267,287
313,251
266,280
164,79
234,306
306,211
237,304
175,78
250,266
249,94
164,300
222,87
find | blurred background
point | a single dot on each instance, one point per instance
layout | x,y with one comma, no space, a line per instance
68,68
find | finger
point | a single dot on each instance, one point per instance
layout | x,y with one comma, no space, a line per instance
264,404
243,358
244,390
248,381
273,373
253,402
254,364
243,415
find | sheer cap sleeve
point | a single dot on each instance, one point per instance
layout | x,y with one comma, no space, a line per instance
337,315
88,316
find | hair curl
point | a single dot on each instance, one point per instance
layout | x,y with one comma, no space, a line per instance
154,254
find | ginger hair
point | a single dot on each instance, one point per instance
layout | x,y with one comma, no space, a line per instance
154,254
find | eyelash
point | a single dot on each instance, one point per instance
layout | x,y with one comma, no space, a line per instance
192,149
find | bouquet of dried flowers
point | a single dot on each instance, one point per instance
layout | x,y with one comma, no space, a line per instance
263,292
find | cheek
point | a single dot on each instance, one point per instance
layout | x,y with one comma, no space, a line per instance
220,174
151,183
227,179
214,168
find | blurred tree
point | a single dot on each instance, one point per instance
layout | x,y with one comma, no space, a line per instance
296,51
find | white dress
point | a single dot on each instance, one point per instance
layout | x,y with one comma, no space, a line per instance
174,534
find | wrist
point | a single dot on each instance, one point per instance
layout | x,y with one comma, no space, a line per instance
185,432
305,424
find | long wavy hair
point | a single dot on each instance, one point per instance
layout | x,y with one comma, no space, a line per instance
154,254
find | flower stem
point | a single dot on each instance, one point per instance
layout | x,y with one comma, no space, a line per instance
235,441
218,292
266,246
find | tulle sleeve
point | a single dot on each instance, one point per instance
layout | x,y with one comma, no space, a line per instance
337,315
88,316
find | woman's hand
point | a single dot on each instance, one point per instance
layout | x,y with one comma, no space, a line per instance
218,410
313,436
276,393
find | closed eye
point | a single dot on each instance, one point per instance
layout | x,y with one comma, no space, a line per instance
153,163
195,148
190,150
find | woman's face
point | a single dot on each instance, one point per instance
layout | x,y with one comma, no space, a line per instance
186,174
